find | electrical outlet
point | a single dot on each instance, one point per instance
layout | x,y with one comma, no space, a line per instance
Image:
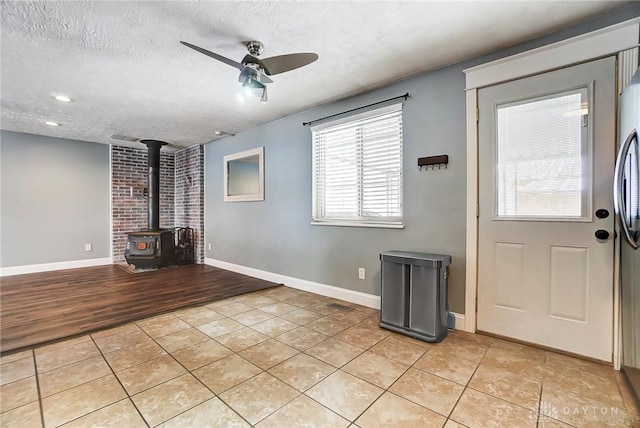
87,247
209,246
361,273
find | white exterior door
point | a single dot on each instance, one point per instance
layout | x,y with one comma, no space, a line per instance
546,158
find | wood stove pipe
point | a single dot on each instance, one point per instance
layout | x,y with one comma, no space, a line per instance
154,181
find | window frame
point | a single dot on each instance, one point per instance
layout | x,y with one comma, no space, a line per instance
394,222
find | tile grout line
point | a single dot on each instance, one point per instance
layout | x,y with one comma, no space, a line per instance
336,369
544,375
345,364
118,379
412,366
508,401
298,352
83,383
63,347
194,376
35,368
174,359
102,355
541,388
40,397
119,382
267,370
178,362
466,385
384,390
234,353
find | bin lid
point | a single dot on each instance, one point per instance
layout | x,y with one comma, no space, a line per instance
414,258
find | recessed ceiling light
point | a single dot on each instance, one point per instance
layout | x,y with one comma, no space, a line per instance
63,98
51,123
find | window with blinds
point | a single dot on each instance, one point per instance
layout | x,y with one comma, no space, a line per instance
357,169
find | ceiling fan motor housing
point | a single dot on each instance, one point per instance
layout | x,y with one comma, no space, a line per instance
253,71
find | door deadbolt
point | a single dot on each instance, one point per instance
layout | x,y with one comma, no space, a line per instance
602,213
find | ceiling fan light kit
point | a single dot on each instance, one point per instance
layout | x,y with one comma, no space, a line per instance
254,72
251,77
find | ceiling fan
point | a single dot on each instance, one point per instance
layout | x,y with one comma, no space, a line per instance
255,72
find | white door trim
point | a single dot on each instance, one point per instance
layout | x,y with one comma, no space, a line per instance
585,47
596,44
471,281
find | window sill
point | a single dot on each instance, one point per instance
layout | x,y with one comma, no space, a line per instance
356,224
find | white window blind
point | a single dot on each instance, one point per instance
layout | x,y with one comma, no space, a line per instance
357,169
543,157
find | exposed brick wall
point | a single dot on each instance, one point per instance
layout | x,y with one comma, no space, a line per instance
167,190
189,194
129,176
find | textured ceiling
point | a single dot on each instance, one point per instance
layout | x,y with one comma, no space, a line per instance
123,65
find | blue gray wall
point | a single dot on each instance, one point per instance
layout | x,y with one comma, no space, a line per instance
275,235
55,199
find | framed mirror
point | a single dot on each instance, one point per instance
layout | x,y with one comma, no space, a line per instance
244,176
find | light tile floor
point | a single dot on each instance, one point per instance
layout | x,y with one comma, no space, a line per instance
285,358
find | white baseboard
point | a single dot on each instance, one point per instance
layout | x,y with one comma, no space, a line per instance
45,267
356,297
460,324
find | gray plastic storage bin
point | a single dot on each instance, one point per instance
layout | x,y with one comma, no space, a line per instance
414,294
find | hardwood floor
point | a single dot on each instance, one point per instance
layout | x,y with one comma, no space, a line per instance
45,307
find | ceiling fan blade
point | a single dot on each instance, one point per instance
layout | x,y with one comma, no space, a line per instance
228,61
282,63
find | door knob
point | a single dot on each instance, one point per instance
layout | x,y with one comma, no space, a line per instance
601,234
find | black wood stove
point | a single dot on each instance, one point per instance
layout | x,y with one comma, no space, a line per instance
150,248
155,247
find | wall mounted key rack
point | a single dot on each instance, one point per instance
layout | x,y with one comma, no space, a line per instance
432,161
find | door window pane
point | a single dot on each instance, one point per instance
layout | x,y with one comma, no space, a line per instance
543,157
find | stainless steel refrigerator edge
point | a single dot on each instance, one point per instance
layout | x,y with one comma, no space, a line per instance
627,205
